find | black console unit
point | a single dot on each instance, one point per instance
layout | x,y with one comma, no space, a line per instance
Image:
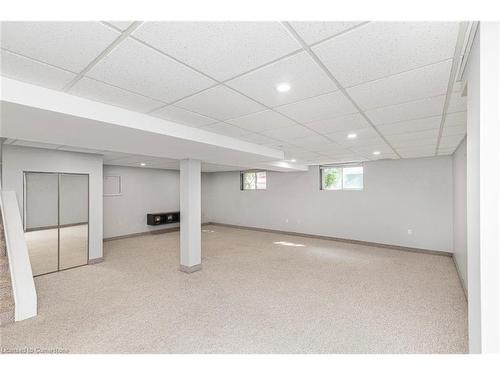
164,218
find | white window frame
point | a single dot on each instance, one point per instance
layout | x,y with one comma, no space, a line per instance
242,174
341,167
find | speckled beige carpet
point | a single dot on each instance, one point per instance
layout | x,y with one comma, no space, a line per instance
257,293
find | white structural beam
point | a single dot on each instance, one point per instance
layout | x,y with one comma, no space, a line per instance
190,191
33,113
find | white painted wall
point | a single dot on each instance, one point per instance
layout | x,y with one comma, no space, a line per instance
460,210
398,195
144,190
483,184
473,248
489,185
18,159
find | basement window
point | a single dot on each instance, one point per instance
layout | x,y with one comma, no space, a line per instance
341,177
253,180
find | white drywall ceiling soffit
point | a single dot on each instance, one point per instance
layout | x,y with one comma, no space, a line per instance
35,114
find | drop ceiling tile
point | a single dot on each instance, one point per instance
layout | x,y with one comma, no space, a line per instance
458,103
182,116
451,140
314,143
318,108
414,136
369,145
226,129
220,103
454,130
427,107
338,151
312,32
424,142
455,119
367,150
362,134
336,124
304,76
122,25
455,123
138,68
30,71
380,49
410,126
102,92
261,121
290,133
431,80
69,45
220,49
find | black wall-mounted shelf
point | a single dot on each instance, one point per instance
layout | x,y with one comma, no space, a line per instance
163,218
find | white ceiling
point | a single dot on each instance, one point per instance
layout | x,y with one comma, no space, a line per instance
385,81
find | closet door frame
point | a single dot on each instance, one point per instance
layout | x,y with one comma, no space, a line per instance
25,200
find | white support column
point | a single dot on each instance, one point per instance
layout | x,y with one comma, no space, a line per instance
190,191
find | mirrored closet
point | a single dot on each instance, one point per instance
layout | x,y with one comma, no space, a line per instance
56,211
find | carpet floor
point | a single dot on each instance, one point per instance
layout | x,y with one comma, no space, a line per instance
258,292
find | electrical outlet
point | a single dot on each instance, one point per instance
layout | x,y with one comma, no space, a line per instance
286,220
410,232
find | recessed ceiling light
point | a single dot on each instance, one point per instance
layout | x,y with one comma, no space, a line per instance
293,160
143,164
352,135
376,152
283,87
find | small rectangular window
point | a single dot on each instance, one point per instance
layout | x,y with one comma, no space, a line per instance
331,178
352,178
253,180
342,177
